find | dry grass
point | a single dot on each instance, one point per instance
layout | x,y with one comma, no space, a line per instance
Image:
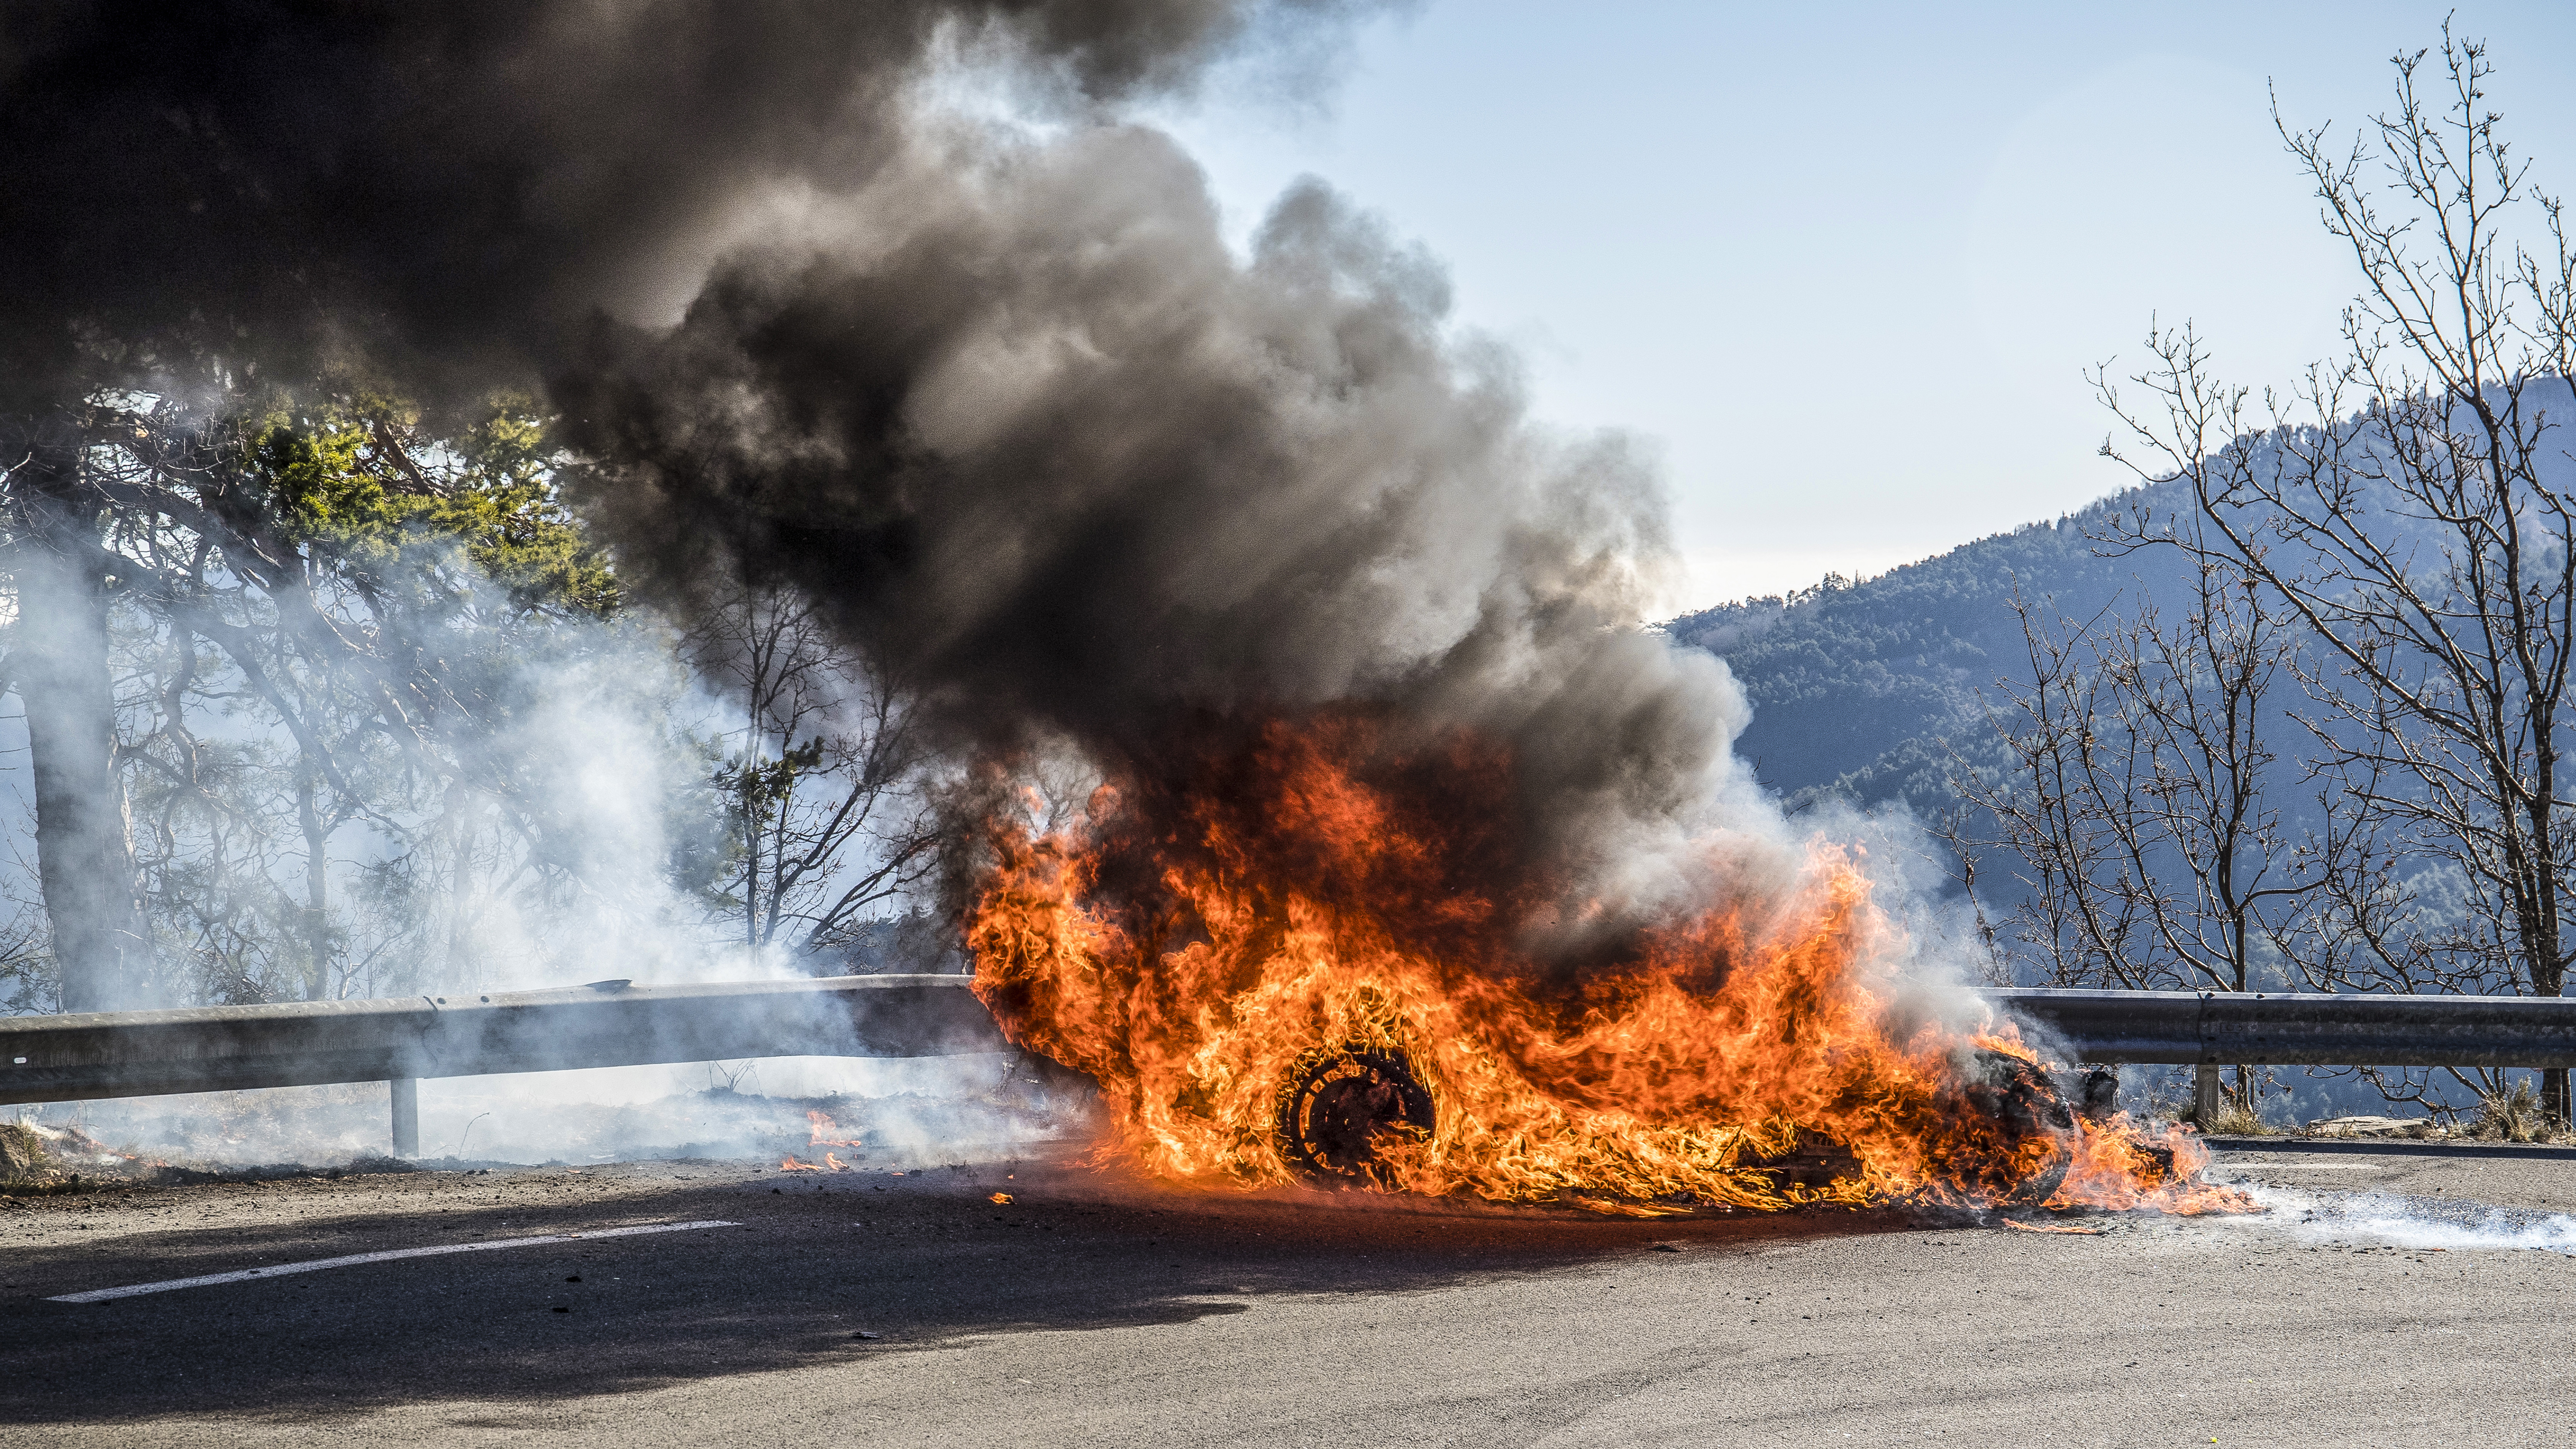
37,1160
2513,1116
22,1155
2235,1119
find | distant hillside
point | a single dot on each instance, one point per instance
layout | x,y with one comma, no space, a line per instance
1855,685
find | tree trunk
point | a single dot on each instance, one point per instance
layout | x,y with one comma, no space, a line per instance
2548,973
317,890
84,858
463,812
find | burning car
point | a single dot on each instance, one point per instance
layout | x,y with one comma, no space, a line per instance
1302,969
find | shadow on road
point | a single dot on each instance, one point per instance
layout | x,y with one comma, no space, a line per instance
922,1262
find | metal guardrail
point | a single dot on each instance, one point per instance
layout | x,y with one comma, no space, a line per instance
2211,1029
615,1023
2225,1028
605,1024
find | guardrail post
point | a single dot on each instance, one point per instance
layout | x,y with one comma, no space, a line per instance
2204,1095
406,1096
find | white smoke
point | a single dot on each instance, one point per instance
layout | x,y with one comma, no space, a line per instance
2402,1221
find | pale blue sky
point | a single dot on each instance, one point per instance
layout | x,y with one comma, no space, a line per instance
1847,264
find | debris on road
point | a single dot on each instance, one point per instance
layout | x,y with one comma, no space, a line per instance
2417,1127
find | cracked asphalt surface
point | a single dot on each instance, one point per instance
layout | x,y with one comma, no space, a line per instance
1091,1311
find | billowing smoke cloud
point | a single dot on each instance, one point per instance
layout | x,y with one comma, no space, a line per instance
1068,452
1008,406
1065,462
271,181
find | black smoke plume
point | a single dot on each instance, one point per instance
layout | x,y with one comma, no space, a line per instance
1055,454
1004,400
443,186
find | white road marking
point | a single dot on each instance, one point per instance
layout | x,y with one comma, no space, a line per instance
101,1295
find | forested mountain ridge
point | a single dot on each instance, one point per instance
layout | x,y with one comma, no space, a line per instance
1856,685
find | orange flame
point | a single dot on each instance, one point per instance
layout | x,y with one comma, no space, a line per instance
1200,947
822,1130
833,1161
790,1164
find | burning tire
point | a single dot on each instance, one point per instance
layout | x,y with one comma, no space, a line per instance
2015,1153
1342,1103
2033,1124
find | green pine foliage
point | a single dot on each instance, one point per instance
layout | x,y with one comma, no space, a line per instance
355,486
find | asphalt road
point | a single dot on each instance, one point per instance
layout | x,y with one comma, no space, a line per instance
1090,1312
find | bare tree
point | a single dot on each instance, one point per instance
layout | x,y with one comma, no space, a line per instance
2145,848
2197,701
2138,807
2403,506
2078,913
828,821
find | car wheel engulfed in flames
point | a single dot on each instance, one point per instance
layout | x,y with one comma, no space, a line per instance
1342,1103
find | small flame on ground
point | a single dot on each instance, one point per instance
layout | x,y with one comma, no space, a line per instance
824,1132
1002,1198
790,1164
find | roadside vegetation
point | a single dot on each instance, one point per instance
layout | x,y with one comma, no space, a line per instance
327,697
2285,715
